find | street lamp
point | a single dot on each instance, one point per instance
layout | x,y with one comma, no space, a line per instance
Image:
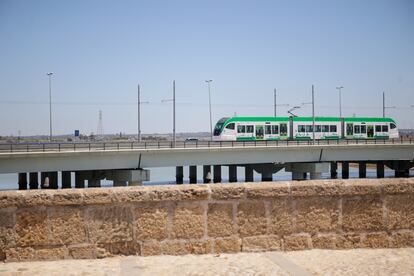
209,104
340,103
139,113
50,105
173,101
274,103
383,105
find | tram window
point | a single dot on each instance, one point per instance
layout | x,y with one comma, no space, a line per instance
325,128
377,128
230,126
318,128
301,128
275,129
332,128
363,129
392,126
349,129
384,128
309,128
357,129
249,129
283,129
268,129
241,129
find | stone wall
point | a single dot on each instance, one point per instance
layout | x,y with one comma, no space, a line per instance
199,219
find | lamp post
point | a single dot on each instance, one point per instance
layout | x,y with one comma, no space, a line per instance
340,100
173,101
209,104
383,105
139,113
50,105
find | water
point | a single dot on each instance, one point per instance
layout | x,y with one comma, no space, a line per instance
166,176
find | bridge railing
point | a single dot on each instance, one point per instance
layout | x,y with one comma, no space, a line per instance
110,145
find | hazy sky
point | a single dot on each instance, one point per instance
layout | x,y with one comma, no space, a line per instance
100,50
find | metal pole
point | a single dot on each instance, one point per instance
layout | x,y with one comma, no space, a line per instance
313,115
139,115
174,113
383,104
340,100
209,103
274,102
50,105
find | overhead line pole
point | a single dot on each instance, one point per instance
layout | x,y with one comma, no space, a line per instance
139,112
274,92
173,101
313,114
50,105
209,104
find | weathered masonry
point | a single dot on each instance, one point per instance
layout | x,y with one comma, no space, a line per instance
199,219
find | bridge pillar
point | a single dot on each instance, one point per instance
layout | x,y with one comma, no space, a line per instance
33,180
345,170
119,183
217,173
94,183
193,174
53,180
248,173
79,180
299,176
362,169
300,170
22,181
179,175
267,175
315,175
334,170
380,169
66,180
232,173
206,174
402,173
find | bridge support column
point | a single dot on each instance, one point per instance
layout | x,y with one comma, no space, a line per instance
79,180
53,180
179,175
402,173
217,173
248,173
33,180
380,169
345,170
119,183
362,169
22,181
193,174
232,173
334,170
206,174
300,170
66,180
94,183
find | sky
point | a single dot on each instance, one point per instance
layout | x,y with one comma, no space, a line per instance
99,51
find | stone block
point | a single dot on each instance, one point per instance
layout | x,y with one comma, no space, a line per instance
362,214
322,241
227,245
87,251
261,243
31,227
7,239
363,187
109,224
267,189
174,247
67,225
402,239
220,220
18,254
400,211
331,187
151,248
188,221
199,246
120,248
297,242
281,217
177,193
7,218
11,199
95,196
317,214
51,254
150,222
228,191
251,219
399,186
348,241
68,197
37,198
377,240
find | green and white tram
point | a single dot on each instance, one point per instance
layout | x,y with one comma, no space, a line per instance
301,128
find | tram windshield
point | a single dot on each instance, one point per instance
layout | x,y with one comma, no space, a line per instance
219,126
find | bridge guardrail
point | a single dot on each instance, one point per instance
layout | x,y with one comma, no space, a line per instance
97,146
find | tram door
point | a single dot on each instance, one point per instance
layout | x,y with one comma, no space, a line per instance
370,131
349,129
259,132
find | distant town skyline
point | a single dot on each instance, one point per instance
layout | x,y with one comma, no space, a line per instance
99,51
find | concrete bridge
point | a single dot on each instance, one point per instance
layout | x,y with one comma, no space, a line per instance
129,162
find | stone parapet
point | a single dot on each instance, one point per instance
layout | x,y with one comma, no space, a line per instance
199,219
